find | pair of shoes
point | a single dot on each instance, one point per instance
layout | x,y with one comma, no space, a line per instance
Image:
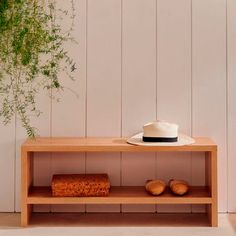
157,187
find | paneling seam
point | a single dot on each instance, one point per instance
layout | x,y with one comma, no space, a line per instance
191,90
51,118
86,82
86,93
227,105
86,72
156,98
14,167
121,67
121,89
50,155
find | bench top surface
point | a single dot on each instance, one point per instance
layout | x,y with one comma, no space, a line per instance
107,144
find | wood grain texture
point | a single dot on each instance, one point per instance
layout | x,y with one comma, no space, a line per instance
26,183
109,144
231,52
173,76
121,220
7,167
68,115
138,87
209,83
104,83
211,183
121,195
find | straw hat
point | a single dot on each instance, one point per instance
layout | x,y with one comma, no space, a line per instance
160,133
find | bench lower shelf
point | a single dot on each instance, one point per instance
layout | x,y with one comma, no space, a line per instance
123,195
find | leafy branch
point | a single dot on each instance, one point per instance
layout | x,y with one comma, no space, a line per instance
32,55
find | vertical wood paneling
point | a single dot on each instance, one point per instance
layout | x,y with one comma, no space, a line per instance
174,84
68,116
209,83
104,85
231,105
7,167
101,55
139,88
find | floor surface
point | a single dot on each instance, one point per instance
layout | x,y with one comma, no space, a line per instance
116,225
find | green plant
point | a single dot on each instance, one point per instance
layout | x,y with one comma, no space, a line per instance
32,55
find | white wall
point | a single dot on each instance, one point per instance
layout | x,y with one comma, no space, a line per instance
140,60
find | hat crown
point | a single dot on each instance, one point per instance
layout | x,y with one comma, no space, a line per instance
160,129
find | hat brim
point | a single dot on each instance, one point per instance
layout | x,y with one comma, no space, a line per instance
182,140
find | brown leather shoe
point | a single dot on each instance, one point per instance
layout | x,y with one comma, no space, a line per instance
155,187
179,187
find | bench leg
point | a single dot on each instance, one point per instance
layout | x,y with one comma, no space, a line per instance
25,215
211,182
26,182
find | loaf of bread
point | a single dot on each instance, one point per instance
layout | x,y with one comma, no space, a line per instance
155,187
80,185
178,187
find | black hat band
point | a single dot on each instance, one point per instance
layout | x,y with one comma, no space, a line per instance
160,139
